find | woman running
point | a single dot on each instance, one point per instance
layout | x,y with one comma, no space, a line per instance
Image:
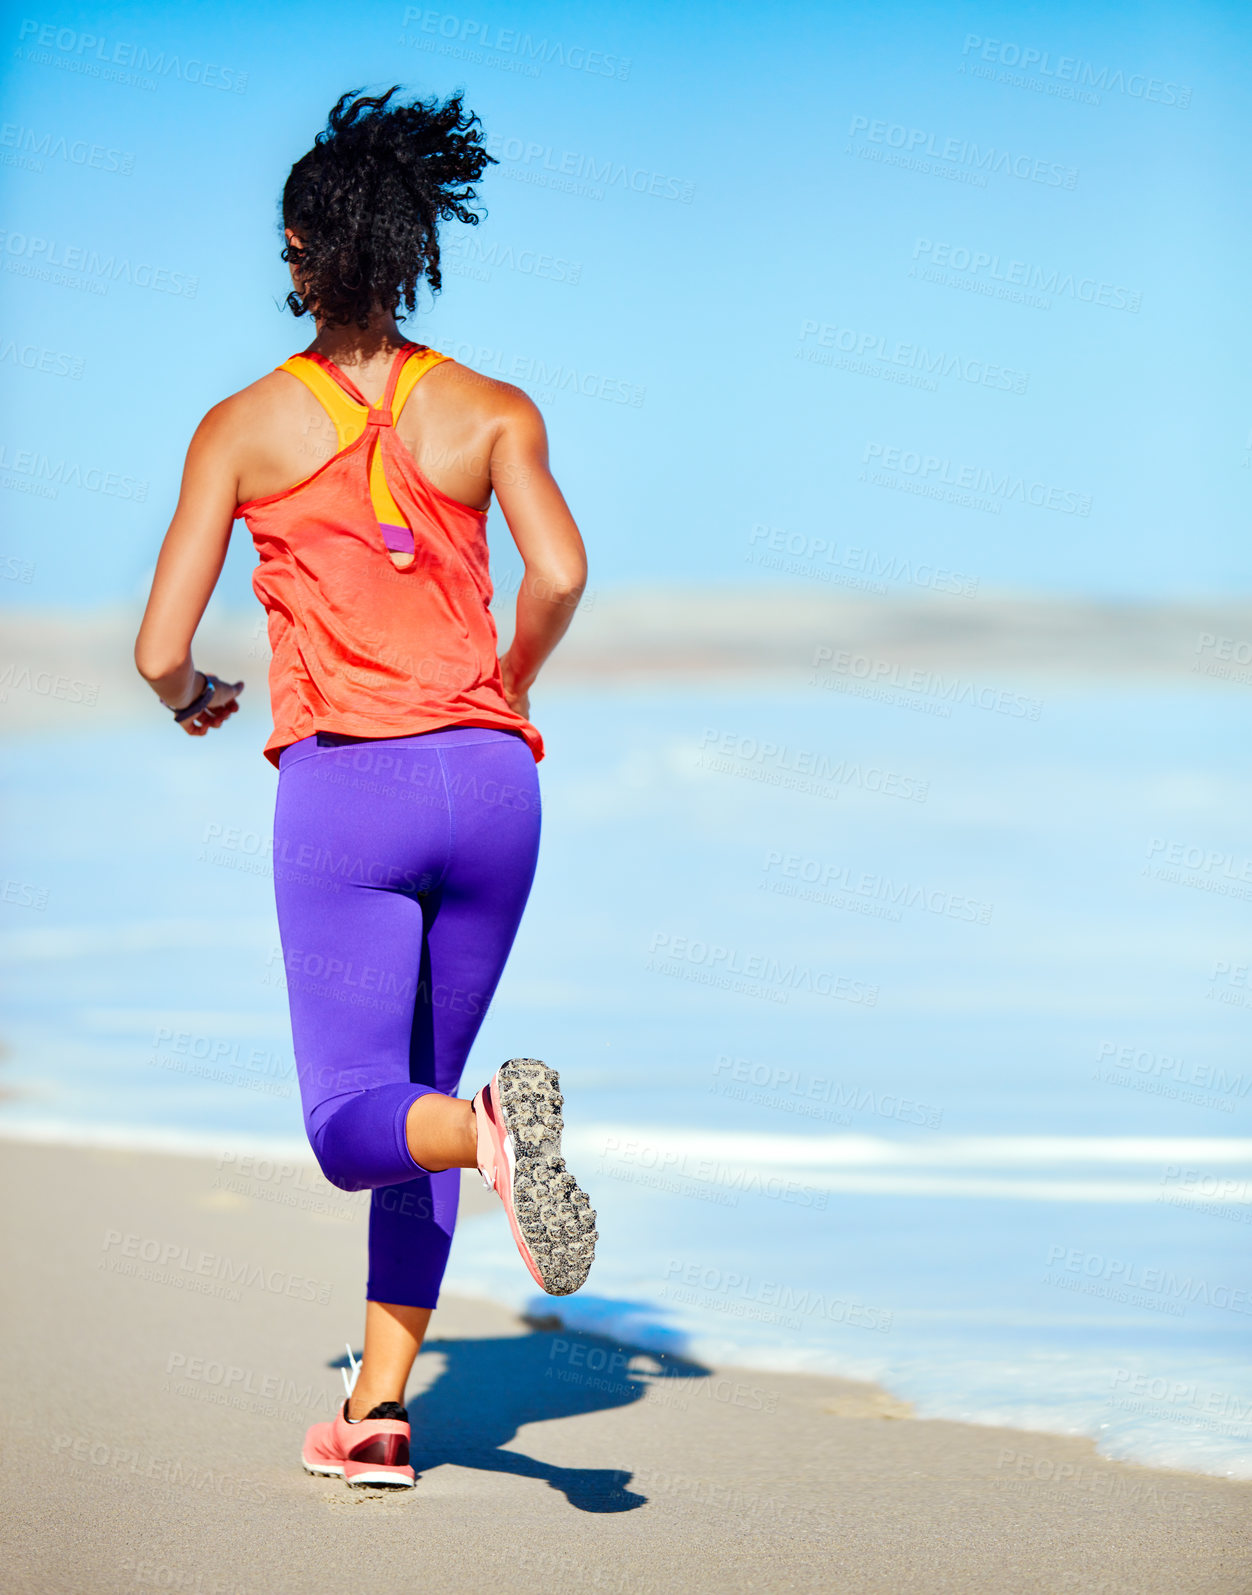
407,819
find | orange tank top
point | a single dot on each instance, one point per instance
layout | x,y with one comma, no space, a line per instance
360,646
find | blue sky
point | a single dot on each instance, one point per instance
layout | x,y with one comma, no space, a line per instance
950,286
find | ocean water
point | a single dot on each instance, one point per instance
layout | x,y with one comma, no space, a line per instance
896,1044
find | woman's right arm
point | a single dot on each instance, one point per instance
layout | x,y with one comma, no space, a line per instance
187,570
547,539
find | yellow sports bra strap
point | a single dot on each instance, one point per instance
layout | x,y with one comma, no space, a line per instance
348,416
386,509
415,368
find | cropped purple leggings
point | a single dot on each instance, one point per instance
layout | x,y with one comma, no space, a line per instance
401,869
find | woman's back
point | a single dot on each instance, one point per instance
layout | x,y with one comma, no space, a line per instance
374,578
450,425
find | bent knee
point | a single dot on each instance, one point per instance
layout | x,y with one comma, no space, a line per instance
341,1173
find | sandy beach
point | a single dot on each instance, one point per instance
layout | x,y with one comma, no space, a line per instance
181,1320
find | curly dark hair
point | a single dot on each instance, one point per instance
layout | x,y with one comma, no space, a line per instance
367,200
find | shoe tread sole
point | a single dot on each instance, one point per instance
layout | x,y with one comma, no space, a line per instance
553,1214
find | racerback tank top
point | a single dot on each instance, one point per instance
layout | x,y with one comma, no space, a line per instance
361,647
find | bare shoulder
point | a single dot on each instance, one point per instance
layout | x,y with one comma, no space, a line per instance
490,402
241,413
253,425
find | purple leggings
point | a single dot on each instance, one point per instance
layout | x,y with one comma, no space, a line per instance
401,869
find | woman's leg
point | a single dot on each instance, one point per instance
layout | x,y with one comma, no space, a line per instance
472,919
353,855
409,1237
441,1133
393,1338
401,872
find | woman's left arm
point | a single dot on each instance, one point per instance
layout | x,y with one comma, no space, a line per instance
189,565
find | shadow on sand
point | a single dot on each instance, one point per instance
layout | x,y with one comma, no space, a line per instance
489,1388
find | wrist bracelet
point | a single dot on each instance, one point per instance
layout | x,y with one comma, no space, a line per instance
196,705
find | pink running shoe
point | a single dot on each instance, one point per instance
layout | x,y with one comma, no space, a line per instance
374,1450
518,1113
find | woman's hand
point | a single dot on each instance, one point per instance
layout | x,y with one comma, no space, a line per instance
220,707
517,697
